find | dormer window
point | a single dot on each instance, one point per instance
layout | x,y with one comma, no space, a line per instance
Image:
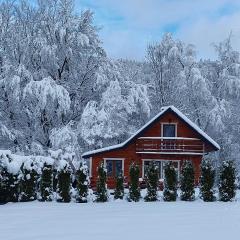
169,130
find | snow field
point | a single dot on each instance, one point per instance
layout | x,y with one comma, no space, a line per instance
120,220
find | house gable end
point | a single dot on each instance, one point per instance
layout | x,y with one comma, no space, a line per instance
152,129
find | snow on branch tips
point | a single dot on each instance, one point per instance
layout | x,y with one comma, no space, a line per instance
46,92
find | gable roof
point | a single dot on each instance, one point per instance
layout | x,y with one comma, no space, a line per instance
154,119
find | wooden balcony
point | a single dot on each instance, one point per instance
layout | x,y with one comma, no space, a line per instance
167,145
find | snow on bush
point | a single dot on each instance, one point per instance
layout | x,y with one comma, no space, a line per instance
26,178
64,181
102,194
134,190
227,181
46,182
170,183
83,182
152,182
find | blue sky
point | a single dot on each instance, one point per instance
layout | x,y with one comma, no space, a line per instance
129,25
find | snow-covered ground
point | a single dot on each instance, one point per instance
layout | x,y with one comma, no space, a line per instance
120,220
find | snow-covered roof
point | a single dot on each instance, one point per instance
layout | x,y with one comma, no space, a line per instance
163,110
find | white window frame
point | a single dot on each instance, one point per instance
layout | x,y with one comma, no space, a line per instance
161,160
90,167
114,159
168,123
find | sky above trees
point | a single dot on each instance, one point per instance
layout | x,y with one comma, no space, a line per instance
129,25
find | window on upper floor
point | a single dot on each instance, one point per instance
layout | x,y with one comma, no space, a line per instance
169,130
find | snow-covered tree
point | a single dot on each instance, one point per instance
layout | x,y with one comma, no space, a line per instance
187,182
152,176
227,181
165,62
28,182
101,194
170,183
13,179
46,104
224,78
4,191
83,182
64,182
49,56
46,183
134,190
119,189
114,116
207,181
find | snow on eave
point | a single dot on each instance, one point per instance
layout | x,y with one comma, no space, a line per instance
105,149
195,127
163,110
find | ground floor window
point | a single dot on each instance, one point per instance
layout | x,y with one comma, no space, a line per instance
114,167
88,162
161,166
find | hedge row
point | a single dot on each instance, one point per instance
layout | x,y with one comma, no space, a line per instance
58,183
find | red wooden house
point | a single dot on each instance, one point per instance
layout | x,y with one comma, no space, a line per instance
169,136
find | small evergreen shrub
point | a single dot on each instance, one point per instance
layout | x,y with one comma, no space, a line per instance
13,187
82,180
207,181
227,186
134,190
4,192
187,182
64,182
55,179
152,182
28,182
119,191
101,193
170,183
12,179
46,183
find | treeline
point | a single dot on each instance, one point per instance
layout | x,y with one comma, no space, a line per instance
60,90
61,184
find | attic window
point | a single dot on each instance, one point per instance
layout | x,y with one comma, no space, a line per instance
169,130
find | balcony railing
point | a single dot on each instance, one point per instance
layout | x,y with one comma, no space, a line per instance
169,145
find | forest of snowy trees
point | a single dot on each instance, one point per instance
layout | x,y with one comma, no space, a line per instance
60,90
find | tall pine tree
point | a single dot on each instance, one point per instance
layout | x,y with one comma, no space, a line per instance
82,183
64,182
187,182
170,183
152,176
134,190
207,181
227,186
102,195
